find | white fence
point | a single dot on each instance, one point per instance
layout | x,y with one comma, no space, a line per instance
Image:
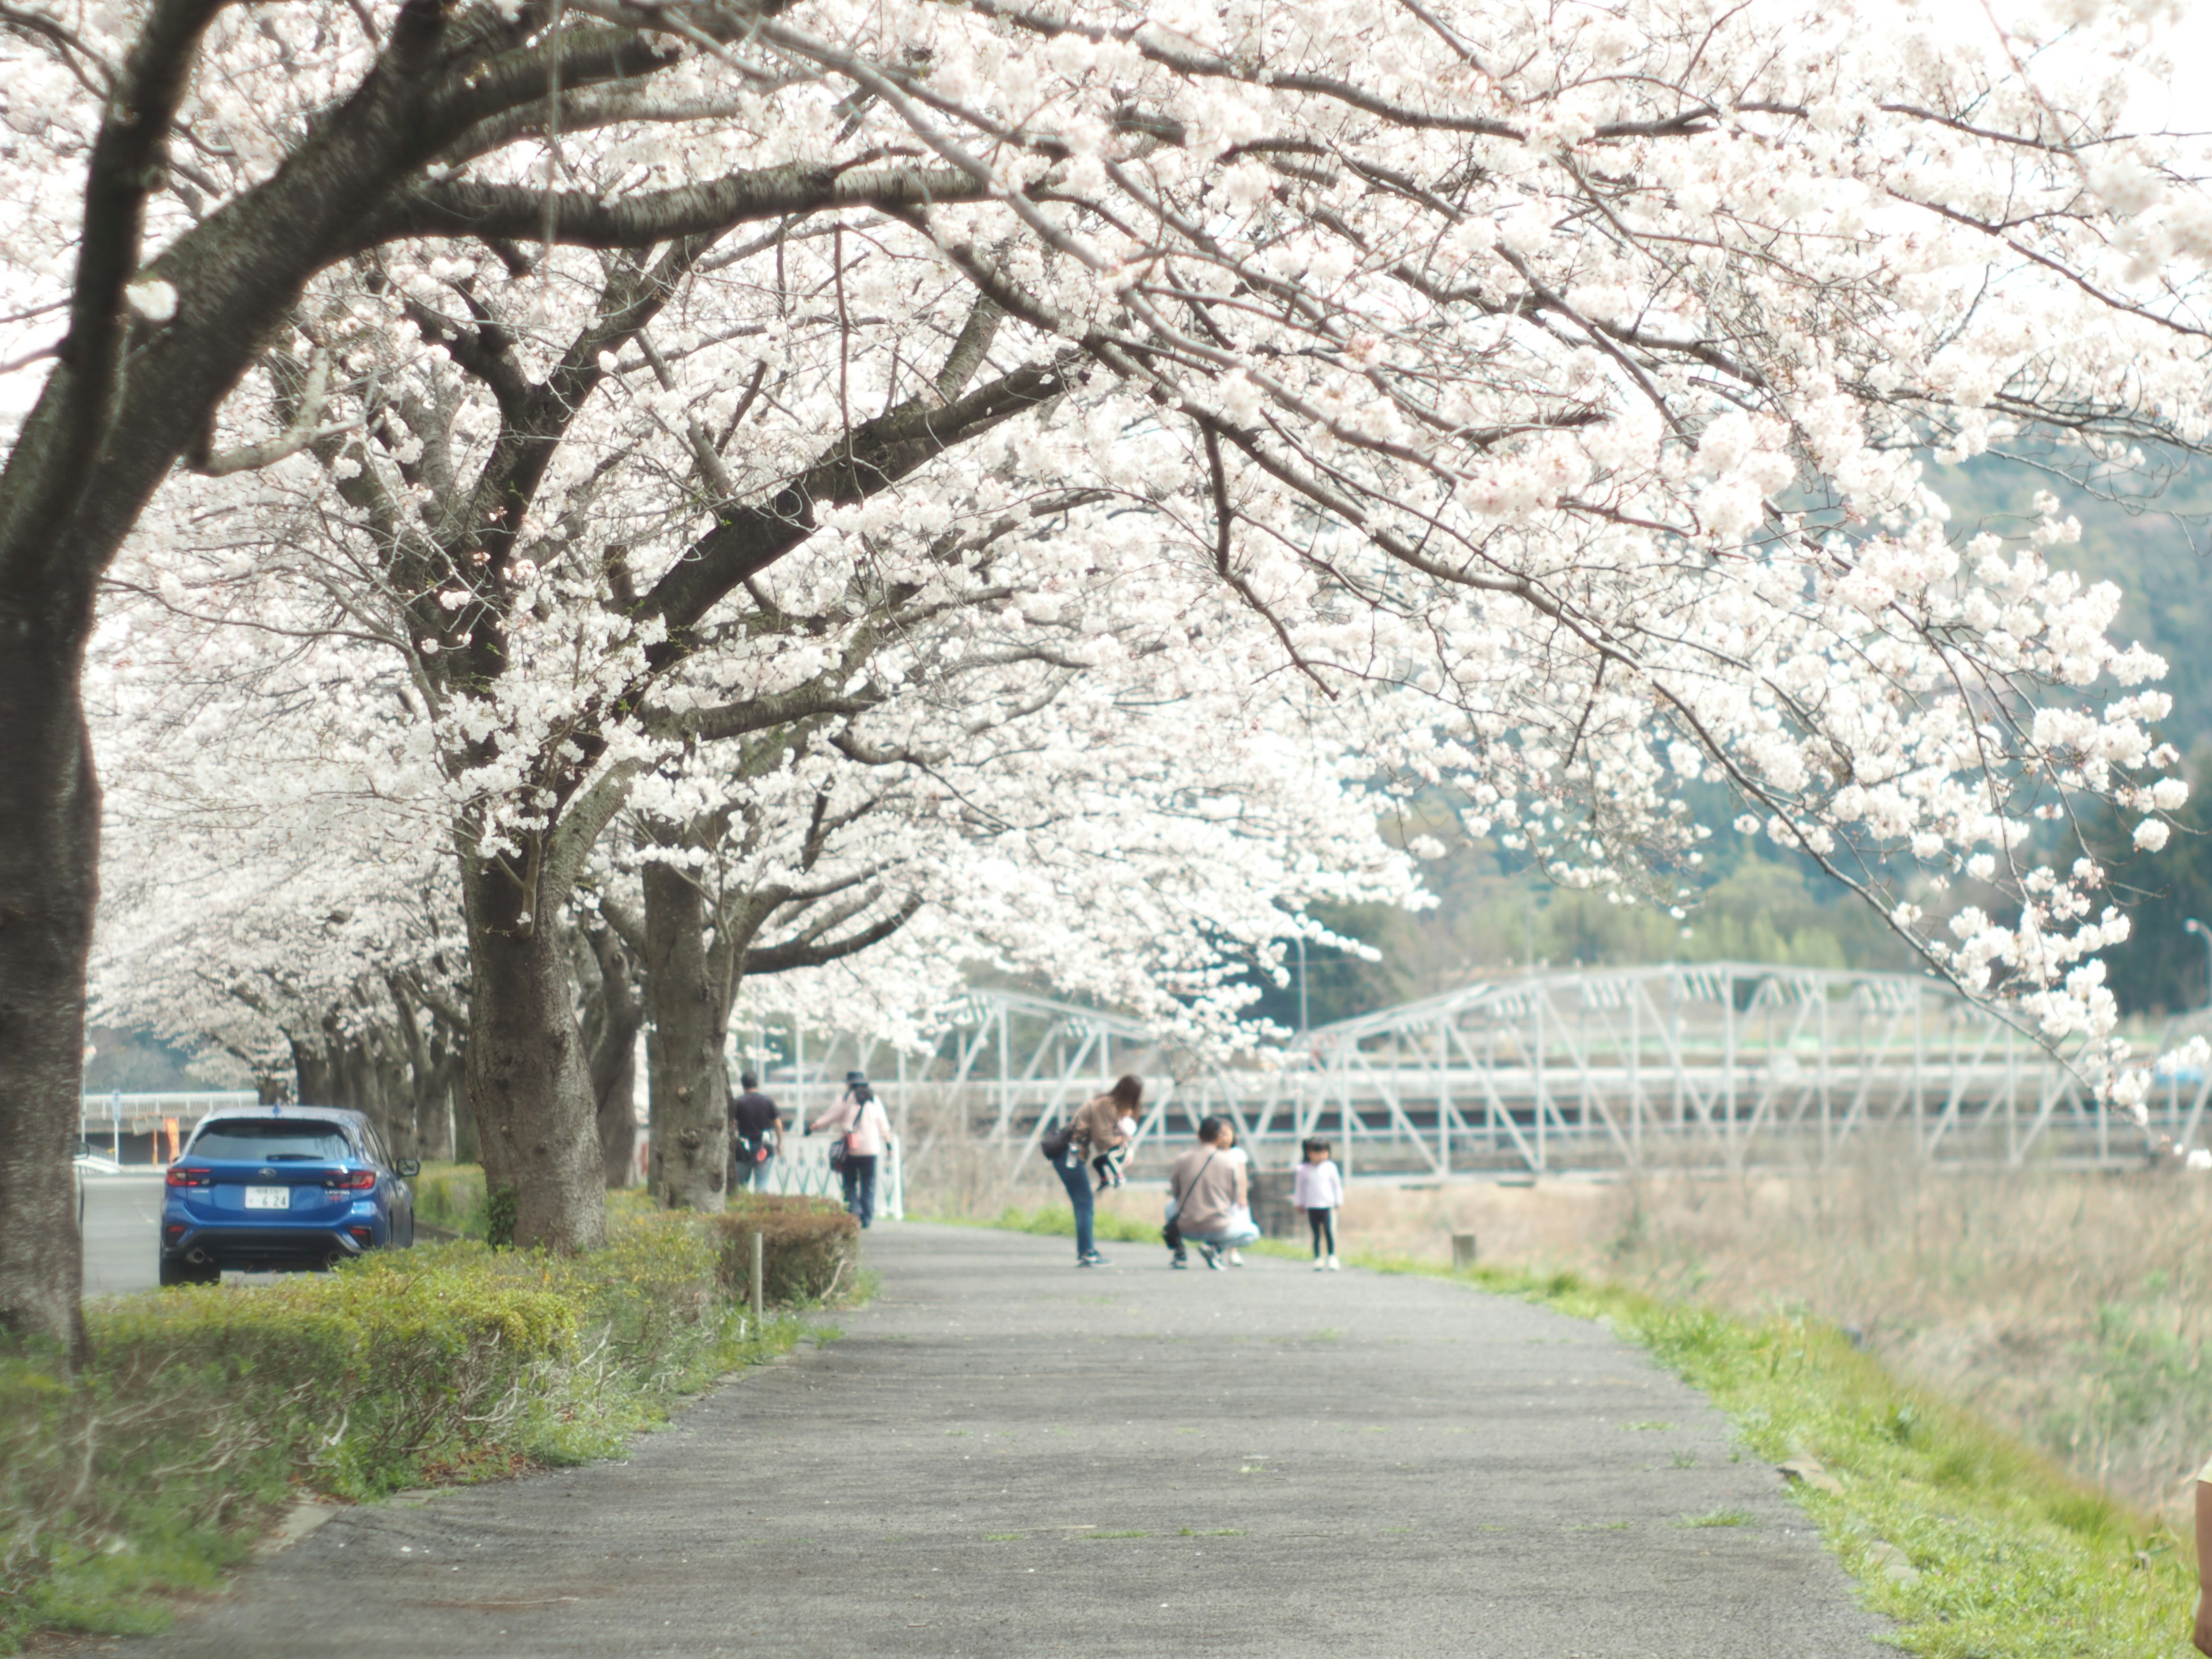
802,1169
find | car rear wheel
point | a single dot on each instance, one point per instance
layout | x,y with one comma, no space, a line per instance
176,1270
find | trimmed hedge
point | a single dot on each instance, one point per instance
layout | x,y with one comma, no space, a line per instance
204,1409
811,1247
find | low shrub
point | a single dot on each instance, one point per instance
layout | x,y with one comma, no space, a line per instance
204,1408
811,1249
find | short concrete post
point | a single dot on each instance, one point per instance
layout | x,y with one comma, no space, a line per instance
760,1255
1462,1251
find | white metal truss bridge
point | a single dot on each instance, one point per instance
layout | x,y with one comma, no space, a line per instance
1716,1067
1707,1067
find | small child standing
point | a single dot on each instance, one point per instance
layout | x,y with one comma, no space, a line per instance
1318,1189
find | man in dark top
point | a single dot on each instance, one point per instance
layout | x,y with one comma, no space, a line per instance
756,1133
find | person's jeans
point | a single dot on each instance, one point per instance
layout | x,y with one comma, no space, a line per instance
1323,1223
1075,1176
754,1176
859,1175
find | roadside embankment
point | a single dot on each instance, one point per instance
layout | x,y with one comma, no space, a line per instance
203,1410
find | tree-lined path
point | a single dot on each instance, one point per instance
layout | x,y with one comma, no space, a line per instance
1005,1456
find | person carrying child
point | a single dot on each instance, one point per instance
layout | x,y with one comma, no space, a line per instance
1097,1142
1317,1188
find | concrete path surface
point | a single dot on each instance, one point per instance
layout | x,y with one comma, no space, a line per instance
1005,1456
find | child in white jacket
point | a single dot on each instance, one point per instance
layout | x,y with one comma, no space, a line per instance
1318,1189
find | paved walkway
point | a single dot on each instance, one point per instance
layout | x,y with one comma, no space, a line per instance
1005,1457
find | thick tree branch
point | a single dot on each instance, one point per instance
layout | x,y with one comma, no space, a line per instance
876,454
782,959
126,164
585,220
723,721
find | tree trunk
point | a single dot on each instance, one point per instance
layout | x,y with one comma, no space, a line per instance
395,1088
529,1088
614,1088
433,1090
689,1087
427,1082
49,884
614,1014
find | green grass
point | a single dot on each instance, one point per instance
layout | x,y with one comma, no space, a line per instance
450,1197
2015,1558
1719,1518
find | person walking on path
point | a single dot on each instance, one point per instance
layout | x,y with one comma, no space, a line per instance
1208,1192
756,1134
1317,1188
1100,1130
858,1117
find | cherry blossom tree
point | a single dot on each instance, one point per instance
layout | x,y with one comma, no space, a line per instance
1028,799
1563,368
1016,776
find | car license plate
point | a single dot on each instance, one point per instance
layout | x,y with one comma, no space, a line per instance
268,1198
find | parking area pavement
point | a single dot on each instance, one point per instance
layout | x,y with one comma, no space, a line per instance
1002,1456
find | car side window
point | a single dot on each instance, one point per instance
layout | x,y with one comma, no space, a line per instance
375,1149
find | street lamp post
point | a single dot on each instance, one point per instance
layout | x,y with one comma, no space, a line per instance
2190,924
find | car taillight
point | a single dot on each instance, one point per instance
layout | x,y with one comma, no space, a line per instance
181,1177
364,1234
351,1180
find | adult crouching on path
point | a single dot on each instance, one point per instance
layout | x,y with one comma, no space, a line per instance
1097,1139
1212,1209
859,1118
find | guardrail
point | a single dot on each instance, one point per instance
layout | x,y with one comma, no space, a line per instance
802,1169
167,1118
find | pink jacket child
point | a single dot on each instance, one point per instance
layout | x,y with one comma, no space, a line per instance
1317,1188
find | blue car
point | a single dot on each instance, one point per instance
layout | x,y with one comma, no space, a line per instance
283,1187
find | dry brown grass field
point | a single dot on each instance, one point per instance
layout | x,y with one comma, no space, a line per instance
2073,1309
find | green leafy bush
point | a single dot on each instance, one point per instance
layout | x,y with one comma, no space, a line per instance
204,1408
811,1249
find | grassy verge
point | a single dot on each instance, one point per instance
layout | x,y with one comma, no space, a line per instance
450,1197
1976,1546
204,1410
